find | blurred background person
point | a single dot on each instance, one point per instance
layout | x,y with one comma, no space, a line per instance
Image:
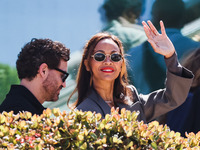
147,69
122,20
186,117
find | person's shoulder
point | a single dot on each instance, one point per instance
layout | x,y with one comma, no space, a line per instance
131,87
133,90
90,104
176,35
136,48
191,41
9,106
112,26
14,98
14,103
135,54
87,105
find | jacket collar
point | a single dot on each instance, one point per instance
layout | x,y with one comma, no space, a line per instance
99,101
103,105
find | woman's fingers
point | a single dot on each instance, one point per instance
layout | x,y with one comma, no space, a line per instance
160,42
162,28
153,29
147,30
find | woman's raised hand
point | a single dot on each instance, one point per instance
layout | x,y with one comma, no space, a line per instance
160,42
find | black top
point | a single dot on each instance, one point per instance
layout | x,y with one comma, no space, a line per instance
186,117
21,99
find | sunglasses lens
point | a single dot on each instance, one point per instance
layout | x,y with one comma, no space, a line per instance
99,57
116,57
64,77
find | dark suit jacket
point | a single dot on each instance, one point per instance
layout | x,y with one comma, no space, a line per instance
21,99
155,104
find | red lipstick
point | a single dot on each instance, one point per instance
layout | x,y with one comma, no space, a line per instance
107,69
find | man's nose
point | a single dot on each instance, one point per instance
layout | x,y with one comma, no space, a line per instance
64,84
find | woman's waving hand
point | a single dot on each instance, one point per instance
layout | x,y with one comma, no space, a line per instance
160,42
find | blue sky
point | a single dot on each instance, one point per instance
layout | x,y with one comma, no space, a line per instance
71,22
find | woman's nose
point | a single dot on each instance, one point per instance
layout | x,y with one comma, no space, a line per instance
107,59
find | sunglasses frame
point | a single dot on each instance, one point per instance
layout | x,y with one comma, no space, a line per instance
64,72
106,56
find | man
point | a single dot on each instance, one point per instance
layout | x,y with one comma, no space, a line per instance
42,70
147,69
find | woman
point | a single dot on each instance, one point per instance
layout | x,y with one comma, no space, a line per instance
102,78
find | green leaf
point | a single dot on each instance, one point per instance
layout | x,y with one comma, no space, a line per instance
154,145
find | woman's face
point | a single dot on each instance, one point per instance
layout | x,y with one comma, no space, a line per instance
106,70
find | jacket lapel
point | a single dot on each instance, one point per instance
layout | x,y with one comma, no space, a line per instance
100,102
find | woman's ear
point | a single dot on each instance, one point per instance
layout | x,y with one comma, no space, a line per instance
86,65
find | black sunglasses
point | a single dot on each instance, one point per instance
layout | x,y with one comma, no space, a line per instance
115,57
64,77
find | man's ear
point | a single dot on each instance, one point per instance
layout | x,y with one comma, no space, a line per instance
86,65
43,70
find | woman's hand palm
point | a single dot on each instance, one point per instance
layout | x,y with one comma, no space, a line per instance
160,42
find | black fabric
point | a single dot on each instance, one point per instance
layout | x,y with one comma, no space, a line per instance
186,117
192,123
21,99
152,70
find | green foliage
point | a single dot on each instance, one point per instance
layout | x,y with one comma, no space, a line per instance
87,130
8,76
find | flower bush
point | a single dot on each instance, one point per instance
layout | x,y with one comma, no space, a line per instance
86,130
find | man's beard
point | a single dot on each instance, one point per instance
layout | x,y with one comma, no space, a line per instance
51,89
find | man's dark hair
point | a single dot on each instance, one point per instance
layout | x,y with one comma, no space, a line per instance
39,51
171,12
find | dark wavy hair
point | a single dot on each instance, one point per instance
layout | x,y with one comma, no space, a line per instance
84,77
39,51
115,8
171,12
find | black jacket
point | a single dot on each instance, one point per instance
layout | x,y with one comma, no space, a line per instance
21,99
